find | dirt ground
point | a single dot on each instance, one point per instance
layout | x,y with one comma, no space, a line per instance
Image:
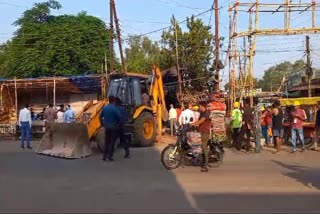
244,183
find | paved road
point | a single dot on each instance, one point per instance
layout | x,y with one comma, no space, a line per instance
244,183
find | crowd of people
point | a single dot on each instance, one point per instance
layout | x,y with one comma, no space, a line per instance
179,116
49,114
266,122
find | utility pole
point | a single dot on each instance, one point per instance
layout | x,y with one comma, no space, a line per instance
177,56
217,42
308,69
123,64
111,37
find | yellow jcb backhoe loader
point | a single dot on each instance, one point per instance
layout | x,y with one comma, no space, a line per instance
72,140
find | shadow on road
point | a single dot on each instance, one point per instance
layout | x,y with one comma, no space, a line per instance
305,175
38,183
258,203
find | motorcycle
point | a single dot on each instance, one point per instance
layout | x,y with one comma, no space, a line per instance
173,154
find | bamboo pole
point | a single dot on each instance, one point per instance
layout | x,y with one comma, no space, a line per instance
16,98
313,13
230,55
1,96
177,55
278,32
54,91
253,51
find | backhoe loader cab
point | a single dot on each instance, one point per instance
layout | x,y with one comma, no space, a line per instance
141,123
128,88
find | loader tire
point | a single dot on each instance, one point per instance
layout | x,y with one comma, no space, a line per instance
144,130
99,138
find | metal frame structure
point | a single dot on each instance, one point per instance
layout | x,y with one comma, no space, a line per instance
241,61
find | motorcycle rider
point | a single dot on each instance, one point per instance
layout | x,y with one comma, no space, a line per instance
204,124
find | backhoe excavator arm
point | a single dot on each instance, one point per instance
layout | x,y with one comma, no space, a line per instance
158,101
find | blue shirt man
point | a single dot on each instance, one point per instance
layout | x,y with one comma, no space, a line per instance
110,118
69,115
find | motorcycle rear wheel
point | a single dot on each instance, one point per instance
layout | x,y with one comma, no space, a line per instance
171,159
215,157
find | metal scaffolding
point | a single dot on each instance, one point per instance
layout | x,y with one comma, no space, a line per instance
241,53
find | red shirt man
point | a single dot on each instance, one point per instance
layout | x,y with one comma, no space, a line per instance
299,116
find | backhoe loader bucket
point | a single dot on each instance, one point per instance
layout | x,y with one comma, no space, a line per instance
67,140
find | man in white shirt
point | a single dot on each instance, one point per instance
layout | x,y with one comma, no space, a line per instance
196,113
173,119
25,125
186,115
60,114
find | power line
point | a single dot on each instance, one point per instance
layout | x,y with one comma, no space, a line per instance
164,28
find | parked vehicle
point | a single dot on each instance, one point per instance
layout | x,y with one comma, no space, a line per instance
173,154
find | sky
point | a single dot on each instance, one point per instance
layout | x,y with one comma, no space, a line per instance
143,16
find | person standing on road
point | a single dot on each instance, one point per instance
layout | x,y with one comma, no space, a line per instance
173,119
264,127
33,115
257,125
204,124
236,123
277,126
299,117
60,114
25,123
50,115
69,115
317,128
246,124
123,135
186,115
196,113
110,118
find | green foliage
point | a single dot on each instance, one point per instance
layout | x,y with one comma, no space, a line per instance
46,45
141,54
194,48
273,76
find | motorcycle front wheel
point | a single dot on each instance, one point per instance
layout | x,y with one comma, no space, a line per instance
215,156
171,157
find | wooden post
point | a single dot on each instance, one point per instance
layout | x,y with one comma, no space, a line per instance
47,93
177,55
16,98
123,63
217,41
111,38
54,91
1,96
308,69
313,13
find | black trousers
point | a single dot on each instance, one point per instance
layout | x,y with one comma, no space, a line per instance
235,138
124,140
245,131
110,137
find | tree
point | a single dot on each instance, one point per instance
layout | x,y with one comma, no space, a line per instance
194,48
47,45
273,76
141,54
